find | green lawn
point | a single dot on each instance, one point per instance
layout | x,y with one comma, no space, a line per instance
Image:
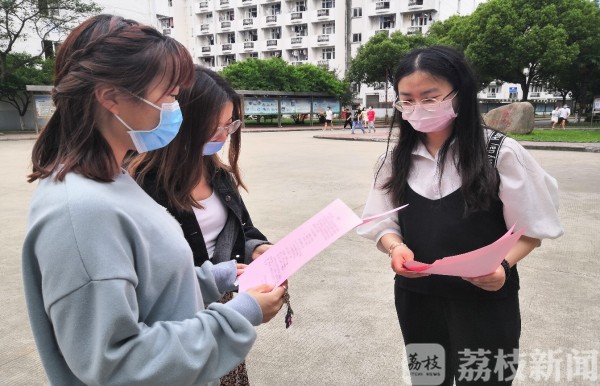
570,135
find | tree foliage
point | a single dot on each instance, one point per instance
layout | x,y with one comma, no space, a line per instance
277,75
504,37
34,71
21,20
377,59
24,19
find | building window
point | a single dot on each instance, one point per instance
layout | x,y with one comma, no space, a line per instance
165,22
227,16
328,28
231,37
300,30
328,4
356,12
48,8
170,2
253,55
49,47
356,38
328,53
275,9
300,6
387,22
420,19
276,33
252,13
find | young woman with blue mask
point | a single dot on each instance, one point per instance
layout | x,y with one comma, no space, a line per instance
460,199
111,288
189,178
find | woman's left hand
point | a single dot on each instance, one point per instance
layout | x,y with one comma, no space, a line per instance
491,282
260,250
240,268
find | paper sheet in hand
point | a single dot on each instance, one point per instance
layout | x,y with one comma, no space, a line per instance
479,262
283,259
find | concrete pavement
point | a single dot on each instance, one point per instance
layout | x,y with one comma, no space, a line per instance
345,330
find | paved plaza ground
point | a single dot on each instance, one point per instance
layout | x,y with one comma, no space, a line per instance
345,330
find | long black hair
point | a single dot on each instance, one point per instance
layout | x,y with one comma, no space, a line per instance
479,179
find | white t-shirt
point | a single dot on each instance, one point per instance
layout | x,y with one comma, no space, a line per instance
564,112
211,219
329,115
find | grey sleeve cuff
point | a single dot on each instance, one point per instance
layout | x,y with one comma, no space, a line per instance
225,275
250,247
247,306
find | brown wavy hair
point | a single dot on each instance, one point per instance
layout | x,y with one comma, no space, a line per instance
103,50
178,167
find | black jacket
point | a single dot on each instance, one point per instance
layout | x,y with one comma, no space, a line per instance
239,237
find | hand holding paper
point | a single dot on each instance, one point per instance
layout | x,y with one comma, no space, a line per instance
284,258
479,262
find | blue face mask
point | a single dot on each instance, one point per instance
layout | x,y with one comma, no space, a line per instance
211,148
168,127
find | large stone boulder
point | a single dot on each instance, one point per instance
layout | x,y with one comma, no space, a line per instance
517,118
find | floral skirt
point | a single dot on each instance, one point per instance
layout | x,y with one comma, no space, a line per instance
239,375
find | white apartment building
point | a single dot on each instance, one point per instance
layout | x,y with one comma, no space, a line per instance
326,33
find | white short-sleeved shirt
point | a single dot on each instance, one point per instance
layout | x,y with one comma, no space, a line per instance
528,192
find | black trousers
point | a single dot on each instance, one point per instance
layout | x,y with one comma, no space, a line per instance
479,337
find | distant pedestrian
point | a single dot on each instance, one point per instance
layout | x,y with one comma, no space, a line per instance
347,118
328,118
357,120
554,116
563,116
371,119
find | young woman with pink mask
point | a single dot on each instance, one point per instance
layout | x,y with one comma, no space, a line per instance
465,185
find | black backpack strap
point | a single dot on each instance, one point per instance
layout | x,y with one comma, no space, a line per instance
493,146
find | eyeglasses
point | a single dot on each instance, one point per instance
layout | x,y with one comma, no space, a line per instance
227,129
428,104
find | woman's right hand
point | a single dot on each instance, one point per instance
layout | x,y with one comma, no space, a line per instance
269,299
400,255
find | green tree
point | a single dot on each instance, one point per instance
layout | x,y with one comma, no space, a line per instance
13,86
23,19
582,76
376,60
275,74
504,37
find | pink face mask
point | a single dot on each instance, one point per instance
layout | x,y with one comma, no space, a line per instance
431,121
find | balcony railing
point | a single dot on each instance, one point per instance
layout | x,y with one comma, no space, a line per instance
223,2
272,19
296,16
272,43
323,12
322,38
297,40
323,63
534,94
206,49
247,22
227,47
414,2
248,45
382,5
414,30
203,5
383,31
167,31
491,95
204,27
225,24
